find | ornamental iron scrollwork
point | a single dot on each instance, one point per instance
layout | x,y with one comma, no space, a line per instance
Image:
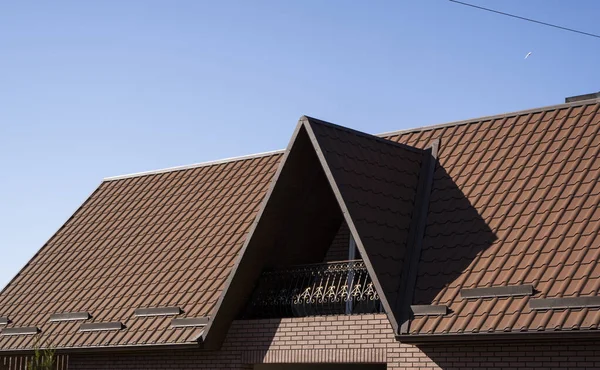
312,290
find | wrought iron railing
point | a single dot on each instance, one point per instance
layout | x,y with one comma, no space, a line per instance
325,289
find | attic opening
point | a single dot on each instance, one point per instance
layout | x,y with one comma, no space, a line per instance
311,263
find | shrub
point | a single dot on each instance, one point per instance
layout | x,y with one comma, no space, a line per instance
43,358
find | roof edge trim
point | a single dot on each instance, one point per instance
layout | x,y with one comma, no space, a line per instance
305,122
37,253
417,232
365,135
498,336
116,348
206,334
382,135
195,165
489,118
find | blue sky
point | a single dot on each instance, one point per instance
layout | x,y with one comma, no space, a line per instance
96,89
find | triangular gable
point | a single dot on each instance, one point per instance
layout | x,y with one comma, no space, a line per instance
377,181
329,173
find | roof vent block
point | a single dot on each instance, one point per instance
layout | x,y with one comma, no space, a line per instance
31,330
429,310
4,321
158,311
500,291
564,303
583,97
70,316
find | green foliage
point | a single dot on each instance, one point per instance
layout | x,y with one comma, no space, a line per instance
43,358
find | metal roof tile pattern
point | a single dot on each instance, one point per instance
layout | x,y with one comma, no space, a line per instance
166,239
330,174
514,202
378,181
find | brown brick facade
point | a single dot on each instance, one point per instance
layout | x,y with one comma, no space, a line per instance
348,339
338,251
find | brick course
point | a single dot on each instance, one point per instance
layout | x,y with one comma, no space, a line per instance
347,339
338,251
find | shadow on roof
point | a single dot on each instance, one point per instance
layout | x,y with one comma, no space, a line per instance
454,236
332,174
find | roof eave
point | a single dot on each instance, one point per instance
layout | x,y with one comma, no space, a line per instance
102,349
495,337
489,118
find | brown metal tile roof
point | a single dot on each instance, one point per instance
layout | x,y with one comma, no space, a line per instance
378,183
160,240
514,201
330,174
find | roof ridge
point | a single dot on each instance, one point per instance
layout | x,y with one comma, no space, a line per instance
382,136
362,134
491,117
194,165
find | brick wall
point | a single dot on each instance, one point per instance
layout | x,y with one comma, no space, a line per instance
338,251
347,339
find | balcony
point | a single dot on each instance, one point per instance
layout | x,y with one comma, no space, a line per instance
338,288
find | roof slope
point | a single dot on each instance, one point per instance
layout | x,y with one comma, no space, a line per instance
514,201
378,183
167,239
368,181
